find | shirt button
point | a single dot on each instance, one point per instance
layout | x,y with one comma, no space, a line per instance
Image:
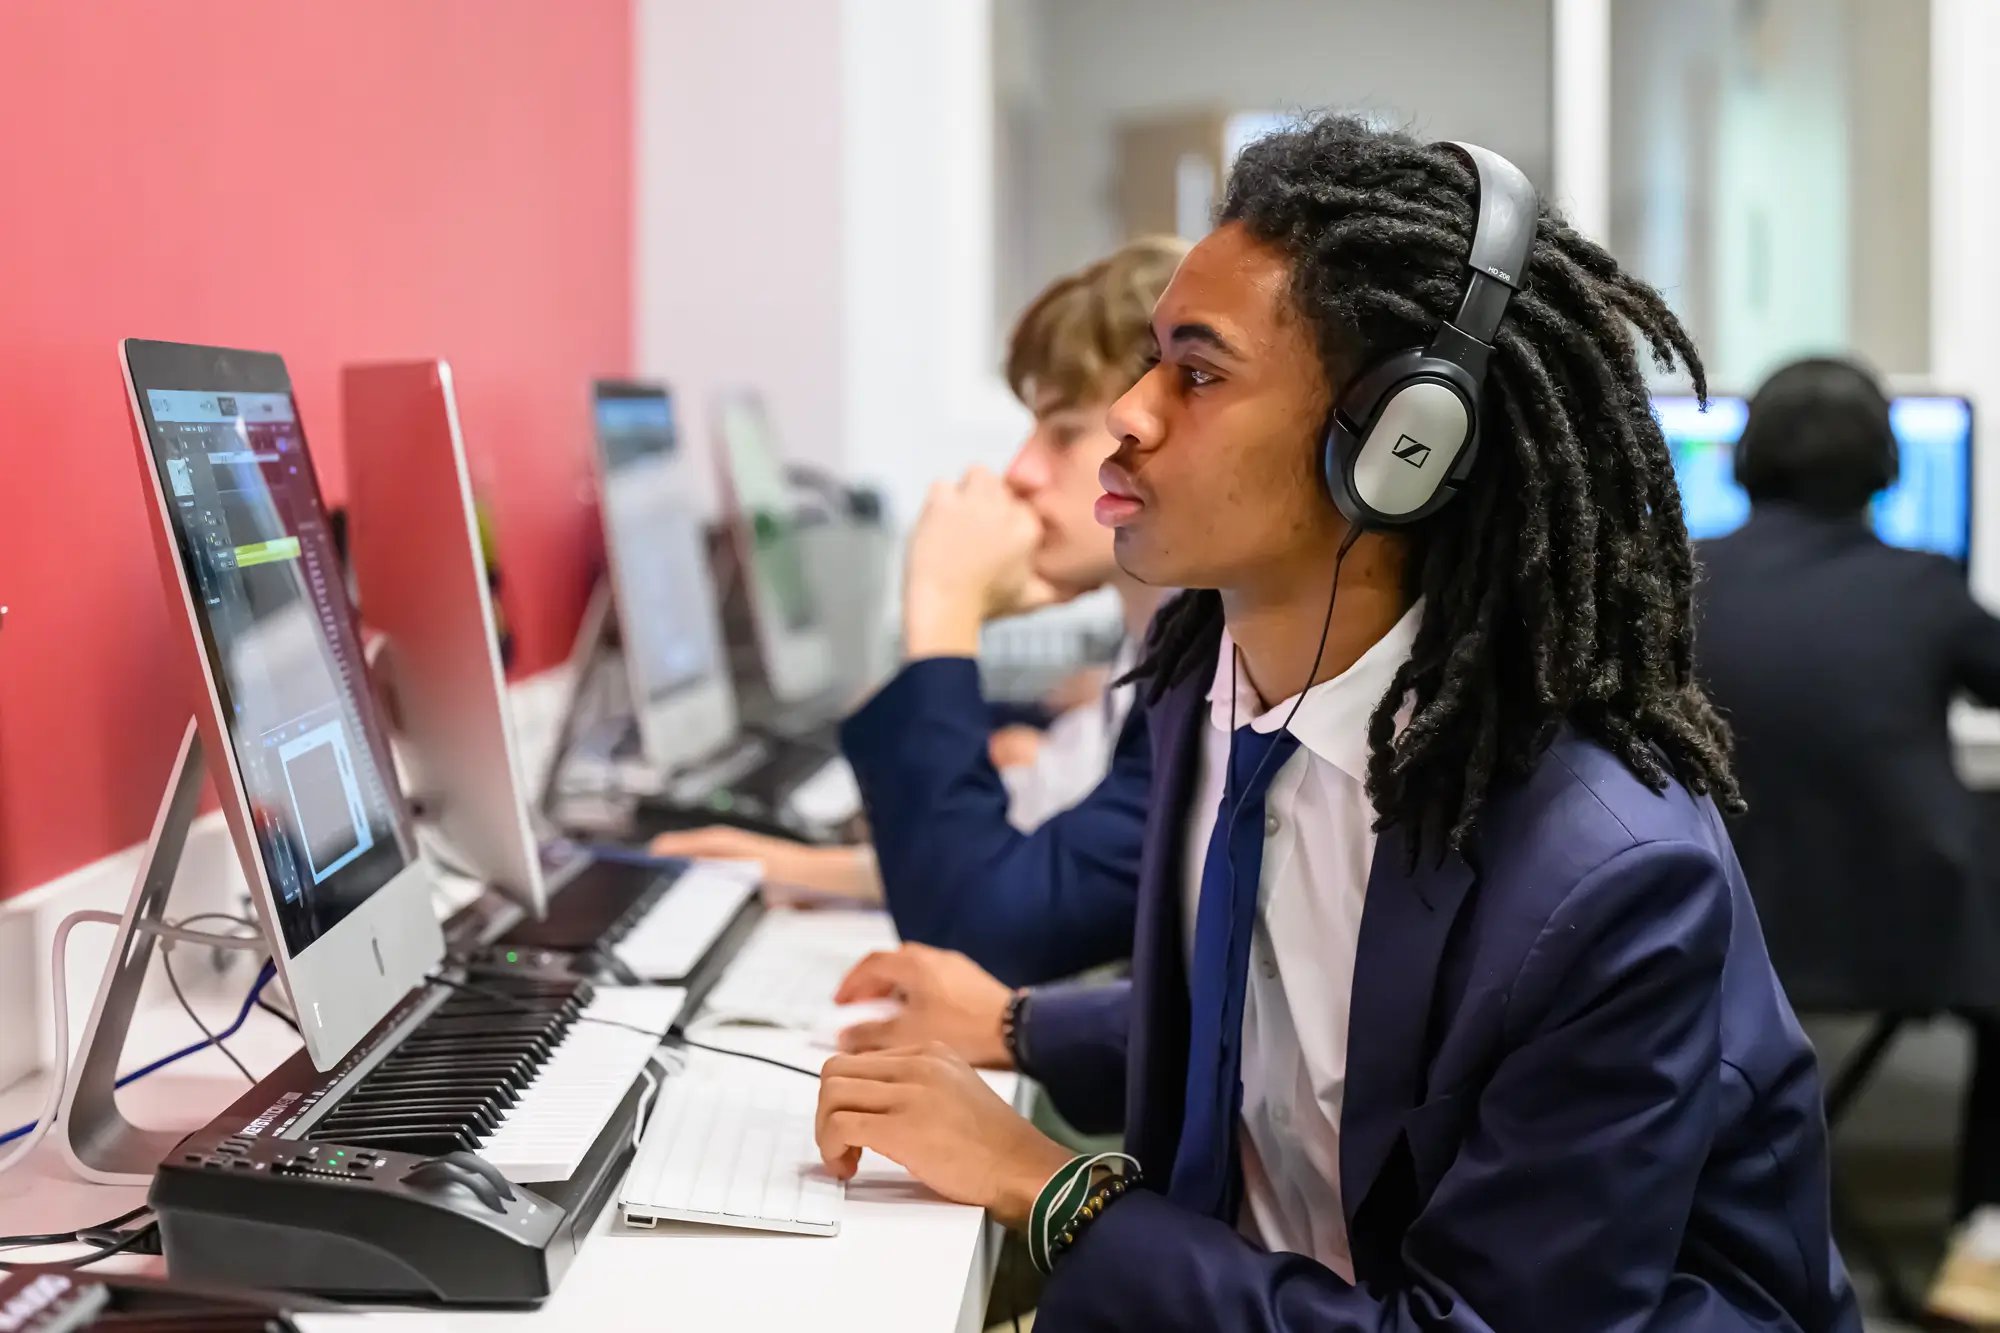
1270,967
1270,825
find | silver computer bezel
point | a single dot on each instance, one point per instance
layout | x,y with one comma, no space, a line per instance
343,983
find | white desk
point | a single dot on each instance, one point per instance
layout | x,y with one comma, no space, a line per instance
1975,734
904,1259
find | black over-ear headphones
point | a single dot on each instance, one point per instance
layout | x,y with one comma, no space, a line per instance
1406,431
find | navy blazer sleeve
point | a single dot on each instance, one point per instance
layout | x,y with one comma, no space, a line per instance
1072,1042
1026,907
1565,1208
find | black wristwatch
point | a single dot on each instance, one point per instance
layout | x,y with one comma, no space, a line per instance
1012,1035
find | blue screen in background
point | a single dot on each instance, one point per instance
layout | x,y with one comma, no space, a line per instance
1928,509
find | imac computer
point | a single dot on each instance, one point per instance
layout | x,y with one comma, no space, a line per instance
422,584
792,640
417,559
1928,509
668,623
301,760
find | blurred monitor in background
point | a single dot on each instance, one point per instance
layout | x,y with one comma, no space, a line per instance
1927,506
1834,656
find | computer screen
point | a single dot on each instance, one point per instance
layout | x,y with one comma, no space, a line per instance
252,534
765,508
1928,509
658,559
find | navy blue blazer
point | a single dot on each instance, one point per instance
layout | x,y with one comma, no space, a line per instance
1026,907
1576,1097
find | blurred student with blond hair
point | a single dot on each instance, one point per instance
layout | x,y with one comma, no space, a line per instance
951,854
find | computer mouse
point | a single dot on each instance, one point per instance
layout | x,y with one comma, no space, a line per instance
839,1017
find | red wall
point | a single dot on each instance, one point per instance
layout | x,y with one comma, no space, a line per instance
350,180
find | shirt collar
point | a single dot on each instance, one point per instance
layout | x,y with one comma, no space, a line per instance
1332,721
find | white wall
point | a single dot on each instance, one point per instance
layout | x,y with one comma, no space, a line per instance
1965,264
1446,68
815,217
738,273
923,393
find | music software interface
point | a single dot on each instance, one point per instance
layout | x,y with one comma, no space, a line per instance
1926,510
267,586
657,552
776,560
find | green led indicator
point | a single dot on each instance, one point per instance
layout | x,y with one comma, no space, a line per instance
513,957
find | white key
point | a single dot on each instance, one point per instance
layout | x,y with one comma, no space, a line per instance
556,1119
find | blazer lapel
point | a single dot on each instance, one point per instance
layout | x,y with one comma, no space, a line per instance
1404,924
1157,1070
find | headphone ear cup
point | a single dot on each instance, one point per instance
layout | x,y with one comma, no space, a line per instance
1335,470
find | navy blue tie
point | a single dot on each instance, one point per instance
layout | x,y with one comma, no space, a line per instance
1206,1177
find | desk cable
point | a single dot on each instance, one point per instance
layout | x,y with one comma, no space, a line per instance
31,1134
675,1035
103,1235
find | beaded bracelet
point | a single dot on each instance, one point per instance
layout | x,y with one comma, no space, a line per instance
1093,1207
1063,1199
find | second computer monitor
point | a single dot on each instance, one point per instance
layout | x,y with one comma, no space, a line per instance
668,625
420,568
1928,509
792,639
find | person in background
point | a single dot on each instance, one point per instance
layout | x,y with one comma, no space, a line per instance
1449,1006
951,851
1835,658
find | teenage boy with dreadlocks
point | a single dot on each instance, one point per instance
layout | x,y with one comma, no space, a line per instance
1495,1043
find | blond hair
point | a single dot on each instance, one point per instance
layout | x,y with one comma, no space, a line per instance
1088,335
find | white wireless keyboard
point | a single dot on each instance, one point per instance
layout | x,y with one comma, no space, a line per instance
733,1147
786,974
829,796
671,939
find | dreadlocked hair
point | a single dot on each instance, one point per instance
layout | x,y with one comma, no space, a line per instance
1558,584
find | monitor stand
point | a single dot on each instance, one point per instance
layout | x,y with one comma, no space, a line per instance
590,659
96,1138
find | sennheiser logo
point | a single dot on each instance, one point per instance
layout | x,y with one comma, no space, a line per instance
1411,450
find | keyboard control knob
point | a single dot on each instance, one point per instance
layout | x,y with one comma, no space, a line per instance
445,1179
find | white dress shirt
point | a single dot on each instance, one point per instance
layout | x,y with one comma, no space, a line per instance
1074,755
1319,843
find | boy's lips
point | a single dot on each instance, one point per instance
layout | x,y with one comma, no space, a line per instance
1121,501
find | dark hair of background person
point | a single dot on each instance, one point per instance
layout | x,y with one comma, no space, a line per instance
1086,337
1818,437
1557,586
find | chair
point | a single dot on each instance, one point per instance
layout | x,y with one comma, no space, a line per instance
1846,1085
